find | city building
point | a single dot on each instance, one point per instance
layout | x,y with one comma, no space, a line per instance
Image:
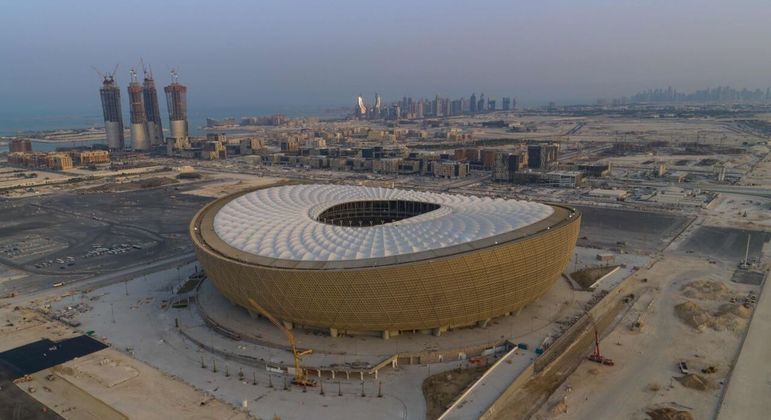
91,157
596,170
152,110
20,146
176,101
450,169
140,137
409,262
542,156
507,165
111,110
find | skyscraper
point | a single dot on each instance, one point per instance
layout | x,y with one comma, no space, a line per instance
139,136
473,103
361,107
376,107
481,103
176,101
113,116
152,110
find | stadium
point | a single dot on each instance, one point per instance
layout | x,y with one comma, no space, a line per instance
353,260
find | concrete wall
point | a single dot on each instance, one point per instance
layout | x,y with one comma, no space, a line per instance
518,383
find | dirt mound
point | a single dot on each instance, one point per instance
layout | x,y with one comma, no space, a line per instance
694,381
736,309
693,315
667,413
706,290
727,318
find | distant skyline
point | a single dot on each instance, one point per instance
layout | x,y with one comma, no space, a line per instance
263,55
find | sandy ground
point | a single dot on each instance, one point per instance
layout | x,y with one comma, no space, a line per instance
109,384
87,387
222,184
646,360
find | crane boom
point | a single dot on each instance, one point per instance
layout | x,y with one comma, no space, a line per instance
299,373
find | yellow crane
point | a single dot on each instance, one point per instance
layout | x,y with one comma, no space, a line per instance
299,373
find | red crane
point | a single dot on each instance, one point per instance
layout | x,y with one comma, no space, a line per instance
596,356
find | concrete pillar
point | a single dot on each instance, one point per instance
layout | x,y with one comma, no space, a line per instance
386,335
376,374
483,324
333,374
394,363
319,372
347,374
288,325
361,375
332,332
438,331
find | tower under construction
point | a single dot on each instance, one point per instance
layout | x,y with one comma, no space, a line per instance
139,134
176,100
113,116
152,110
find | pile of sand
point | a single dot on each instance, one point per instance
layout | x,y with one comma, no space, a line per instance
706,290
728,318
694,381
693,315
667,413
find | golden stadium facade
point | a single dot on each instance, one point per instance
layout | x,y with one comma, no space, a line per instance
350,259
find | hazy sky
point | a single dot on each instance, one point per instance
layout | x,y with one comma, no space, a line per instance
257,53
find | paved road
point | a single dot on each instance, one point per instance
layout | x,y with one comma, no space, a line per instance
103,279
749,387
490,386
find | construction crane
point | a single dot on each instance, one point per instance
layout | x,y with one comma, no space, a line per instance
299,373
597,357
108,76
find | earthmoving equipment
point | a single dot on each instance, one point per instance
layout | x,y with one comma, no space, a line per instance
299,373
596,356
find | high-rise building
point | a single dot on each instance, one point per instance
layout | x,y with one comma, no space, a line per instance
139,136
152,110
481,103
376,108
473,103
491,105
419,109
542,156
176,101
508,164
20,146
361,107
506,104
113,116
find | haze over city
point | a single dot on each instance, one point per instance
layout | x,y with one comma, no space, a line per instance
300,53
417,210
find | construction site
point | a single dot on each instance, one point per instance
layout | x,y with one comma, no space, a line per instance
652,314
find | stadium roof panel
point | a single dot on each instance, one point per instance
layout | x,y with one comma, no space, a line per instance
290,222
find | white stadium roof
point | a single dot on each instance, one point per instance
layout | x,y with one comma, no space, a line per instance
280,223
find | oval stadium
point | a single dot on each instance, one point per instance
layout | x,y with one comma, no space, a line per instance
353,259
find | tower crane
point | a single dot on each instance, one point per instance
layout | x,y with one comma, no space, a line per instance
300,378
